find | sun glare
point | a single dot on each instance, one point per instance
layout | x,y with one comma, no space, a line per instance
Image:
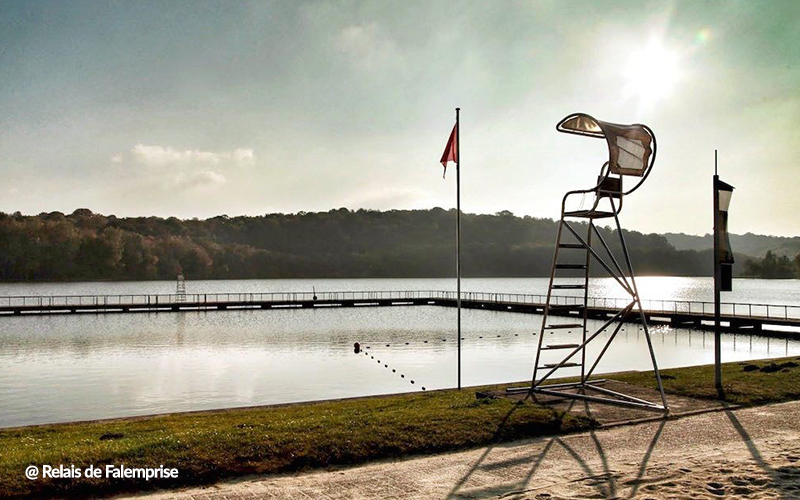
651,73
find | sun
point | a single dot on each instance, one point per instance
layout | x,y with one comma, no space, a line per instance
651,73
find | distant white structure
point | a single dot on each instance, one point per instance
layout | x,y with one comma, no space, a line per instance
180,288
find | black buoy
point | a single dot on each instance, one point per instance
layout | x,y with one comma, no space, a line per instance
356,348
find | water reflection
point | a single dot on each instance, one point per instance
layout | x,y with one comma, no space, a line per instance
61,368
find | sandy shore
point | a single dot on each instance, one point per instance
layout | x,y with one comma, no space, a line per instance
748,453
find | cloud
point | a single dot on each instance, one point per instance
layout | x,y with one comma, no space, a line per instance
189,169
202,179
160,156
367,47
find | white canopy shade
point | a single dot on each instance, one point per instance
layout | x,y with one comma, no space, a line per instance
629,146
724,190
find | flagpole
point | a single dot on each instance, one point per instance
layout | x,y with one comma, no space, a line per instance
717,285
458,238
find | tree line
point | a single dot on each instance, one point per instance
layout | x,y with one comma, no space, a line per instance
773,266
339,243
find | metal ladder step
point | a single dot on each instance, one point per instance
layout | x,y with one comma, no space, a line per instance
570,266
562,326
576,246
551,347
568,287
553,365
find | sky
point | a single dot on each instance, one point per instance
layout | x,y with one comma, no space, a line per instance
195,109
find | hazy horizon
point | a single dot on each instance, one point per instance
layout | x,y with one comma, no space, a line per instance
196,109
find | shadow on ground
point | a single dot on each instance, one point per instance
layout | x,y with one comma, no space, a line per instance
604,480
591,473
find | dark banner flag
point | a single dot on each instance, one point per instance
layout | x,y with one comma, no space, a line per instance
724,254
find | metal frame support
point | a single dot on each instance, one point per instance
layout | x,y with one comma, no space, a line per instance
627,281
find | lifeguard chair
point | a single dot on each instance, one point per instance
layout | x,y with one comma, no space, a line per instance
631,154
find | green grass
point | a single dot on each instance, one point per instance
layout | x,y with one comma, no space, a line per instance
209,446
743,383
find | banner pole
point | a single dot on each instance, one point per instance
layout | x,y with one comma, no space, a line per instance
458,238
717,285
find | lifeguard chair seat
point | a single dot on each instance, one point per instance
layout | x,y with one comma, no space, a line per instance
631,152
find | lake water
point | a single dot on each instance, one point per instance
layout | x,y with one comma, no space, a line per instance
77,367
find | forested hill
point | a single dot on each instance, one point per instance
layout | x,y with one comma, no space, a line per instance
756,245
338,243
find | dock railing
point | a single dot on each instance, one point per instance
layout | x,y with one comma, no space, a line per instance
690,307
210,299
739,310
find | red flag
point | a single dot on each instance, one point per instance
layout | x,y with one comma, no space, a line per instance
451,150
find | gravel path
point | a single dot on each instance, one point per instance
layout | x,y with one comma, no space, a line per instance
746,453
